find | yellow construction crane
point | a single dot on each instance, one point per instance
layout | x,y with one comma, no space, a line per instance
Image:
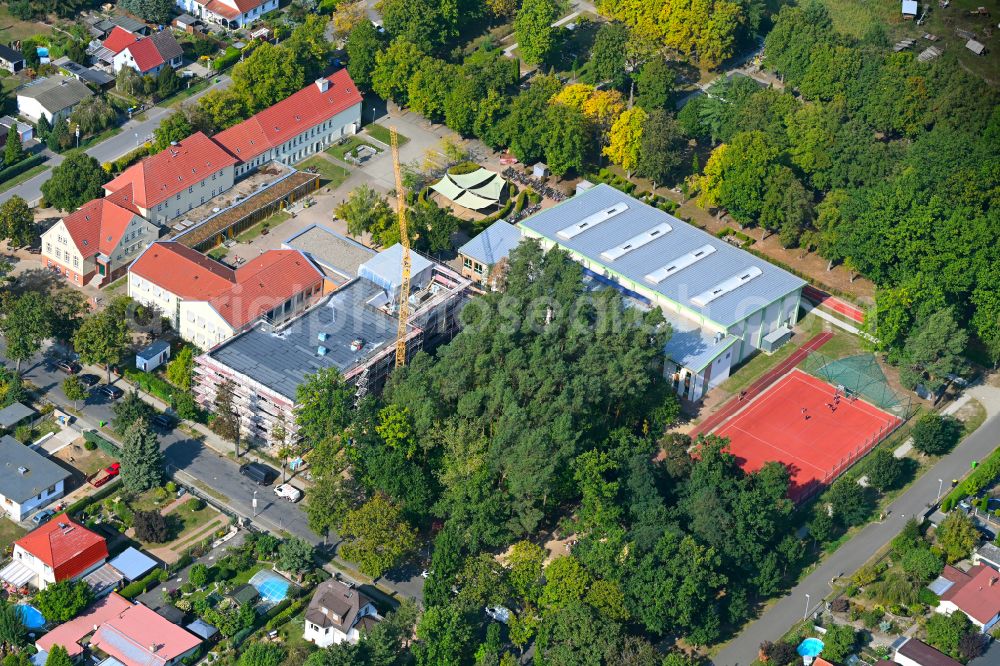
404,239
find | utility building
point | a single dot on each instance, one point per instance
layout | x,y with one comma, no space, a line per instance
722,302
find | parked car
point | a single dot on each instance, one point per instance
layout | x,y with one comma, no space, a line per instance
89,380
106,474
68,366
42,517
163,421
111,391
288,491
259,473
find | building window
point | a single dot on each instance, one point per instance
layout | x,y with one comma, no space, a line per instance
467,262
190,191
48,248
76,262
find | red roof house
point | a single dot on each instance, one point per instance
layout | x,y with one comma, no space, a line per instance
145,55
237,297
174,171
133,634
976,593
276,125
60,550
119,38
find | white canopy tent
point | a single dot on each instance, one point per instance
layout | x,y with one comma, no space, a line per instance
477,190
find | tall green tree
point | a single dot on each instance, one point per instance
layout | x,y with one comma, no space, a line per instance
13,152
73,183
180,370
262,654
363,44
608,55
267,76
566,139
395,68
662,148
323,405
957,536
13,633
17,223
533,29
934,350
25,326
102,338
58,657
376,536
141,458
934,434
62,601
74,390
655,83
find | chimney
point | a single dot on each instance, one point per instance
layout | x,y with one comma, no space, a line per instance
993,580
323,84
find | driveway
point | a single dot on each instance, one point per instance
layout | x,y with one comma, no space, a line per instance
808,595
133,133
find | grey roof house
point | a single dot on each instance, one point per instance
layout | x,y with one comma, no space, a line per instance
482,253
338,613
28,480
52,98
11,59
726,301
12,415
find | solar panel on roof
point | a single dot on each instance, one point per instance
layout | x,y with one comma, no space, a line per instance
592,221
637,241
726,286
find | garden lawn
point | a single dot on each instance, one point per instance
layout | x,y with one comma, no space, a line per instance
291,633
9,533
257,229
15,30
341,150
332,174
381,133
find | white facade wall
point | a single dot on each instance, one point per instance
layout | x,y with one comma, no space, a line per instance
32,109
326,636
196,321
196,8
58,247
19,512
949,607
195,195
313,140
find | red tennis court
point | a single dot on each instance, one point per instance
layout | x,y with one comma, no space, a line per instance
816,444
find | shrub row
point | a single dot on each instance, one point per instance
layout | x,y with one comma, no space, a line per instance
151,383
102,443
745,241
76,507
20,167
128,159
285,614
227,59
614,180
981,477
135,588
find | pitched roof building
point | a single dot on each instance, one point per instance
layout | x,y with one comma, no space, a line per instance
175,180
296,125
482,252
211,302
976,593
133,634
231,14
52,98
28,480
338,613
98,240
915,652
59,550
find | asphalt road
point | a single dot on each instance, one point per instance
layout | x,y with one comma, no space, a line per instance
742,650
196,465
133,133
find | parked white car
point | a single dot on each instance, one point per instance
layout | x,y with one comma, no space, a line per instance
289,492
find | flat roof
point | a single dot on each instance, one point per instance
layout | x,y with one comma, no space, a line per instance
703,274
133,563
330,250
280,360
494,243
39,472
153,350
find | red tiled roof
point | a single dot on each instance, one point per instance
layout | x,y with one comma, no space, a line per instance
97,226
977,594
145,54
264,283
69,633
139,636
67,547
222,9
239,296
182,271
157,178
290,117
118,39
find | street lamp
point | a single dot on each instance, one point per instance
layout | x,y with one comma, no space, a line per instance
254,504
136,139
940,488
806,614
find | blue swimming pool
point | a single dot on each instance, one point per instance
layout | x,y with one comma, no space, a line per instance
271,587
31,617
43,51
810,647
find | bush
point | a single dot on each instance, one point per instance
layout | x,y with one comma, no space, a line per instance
89,445
170,486
928,598
840,605
463,168
227,59
195,504
934,434
871,618
151,526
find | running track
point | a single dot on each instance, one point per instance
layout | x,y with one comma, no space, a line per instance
829,302
734,405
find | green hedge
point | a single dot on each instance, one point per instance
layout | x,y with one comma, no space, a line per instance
285,614
76,507
20,167
105,445
135,588
981,477
463,168
227,59
128,159
151,383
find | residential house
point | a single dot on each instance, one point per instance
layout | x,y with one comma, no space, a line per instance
28,480
96,242
131,634
914,652
975,592
232,14
208,302
52,98
988,554
354,330
11,59
723,303
483,252
58,550
175,180
304,123
338,613
149,55
100,29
